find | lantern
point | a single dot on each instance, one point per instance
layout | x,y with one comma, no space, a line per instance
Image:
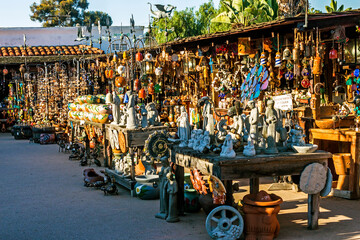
148,67
317,65
189,65
139,57
142,94
333,54
151,89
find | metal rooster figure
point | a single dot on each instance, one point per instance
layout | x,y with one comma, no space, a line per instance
162,12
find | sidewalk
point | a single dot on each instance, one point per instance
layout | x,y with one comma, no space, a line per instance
43,197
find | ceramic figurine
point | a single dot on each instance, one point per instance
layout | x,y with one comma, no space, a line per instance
249,149
143,113
123,118
296,137
281,133
221,134
192,139
131,113
149,165
208,118
271,119
153,115
198,138
205,142
172,189
165,169
184,127
253,121
227,148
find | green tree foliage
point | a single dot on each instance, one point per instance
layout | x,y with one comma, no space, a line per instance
185,23
247,12
54,13
333,7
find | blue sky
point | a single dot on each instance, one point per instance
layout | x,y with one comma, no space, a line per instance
15,13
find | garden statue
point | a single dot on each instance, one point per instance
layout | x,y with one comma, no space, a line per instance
148,163
227,148
115,102
131,113
208,118
123,118
153,115
271,119
221,134
165,169
192,139
205,142
198,138
184,127
172,189
296,137
253,122
281,133
249,149
143,113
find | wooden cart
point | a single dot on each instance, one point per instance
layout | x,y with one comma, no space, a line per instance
134,139
229,169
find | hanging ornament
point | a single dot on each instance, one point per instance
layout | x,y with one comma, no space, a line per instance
139,57
263,58
278,59
148,57
5,71
115,57
126,98
151,89
317,65
142,94
157,88
137,85
125,57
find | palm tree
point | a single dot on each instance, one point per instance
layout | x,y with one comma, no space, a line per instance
333,7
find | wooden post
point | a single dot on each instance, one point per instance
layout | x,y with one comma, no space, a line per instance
229,192
354,167
179,177
313,211
254,185
132,182
316,99
106,164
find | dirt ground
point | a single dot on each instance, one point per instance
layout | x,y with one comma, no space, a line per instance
43,197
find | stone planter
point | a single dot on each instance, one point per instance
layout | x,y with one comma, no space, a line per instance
147,187
261,211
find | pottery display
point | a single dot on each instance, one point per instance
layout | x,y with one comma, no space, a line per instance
260,219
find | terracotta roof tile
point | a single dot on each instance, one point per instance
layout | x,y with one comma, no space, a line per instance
48,50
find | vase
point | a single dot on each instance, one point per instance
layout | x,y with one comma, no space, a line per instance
191,199
147,187
261,211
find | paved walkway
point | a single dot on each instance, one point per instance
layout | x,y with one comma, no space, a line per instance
42,197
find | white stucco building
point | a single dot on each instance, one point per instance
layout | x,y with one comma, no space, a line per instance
54,36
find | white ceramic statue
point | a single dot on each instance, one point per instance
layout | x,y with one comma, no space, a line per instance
143,113
131,113
192,139
115,102
123,117
208,118
249,149
183,127
227,148
198,139
205,142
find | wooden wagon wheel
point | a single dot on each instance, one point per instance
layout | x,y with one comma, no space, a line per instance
122,142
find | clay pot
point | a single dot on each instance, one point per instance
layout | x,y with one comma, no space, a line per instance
261,211
191,200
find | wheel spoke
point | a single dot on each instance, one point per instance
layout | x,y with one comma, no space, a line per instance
223,213
234,218
215,219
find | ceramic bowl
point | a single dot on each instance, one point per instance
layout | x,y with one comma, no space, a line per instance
307,148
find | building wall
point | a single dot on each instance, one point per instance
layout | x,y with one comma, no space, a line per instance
38,36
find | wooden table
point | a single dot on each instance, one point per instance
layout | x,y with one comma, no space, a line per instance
134,138
351,137
227,170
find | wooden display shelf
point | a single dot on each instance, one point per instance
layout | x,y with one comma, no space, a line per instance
229,169
320,136
123,181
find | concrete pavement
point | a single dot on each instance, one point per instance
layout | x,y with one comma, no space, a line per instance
42,197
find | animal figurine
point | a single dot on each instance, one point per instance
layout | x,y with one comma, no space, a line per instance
110,188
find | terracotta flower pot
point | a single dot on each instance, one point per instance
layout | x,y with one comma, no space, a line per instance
261,211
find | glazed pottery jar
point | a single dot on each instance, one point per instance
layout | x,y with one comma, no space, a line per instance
191,200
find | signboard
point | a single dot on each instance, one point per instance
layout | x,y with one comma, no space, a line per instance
283,102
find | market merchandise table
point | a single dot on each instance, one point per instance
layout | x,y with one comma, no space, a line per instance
226,169
132,139
344,135
87,142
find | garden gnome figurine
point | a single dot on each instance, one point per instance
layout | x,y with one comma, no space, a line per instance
271,119
184,127
165,169
227,148
131,113
253,121
143,113
172,189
